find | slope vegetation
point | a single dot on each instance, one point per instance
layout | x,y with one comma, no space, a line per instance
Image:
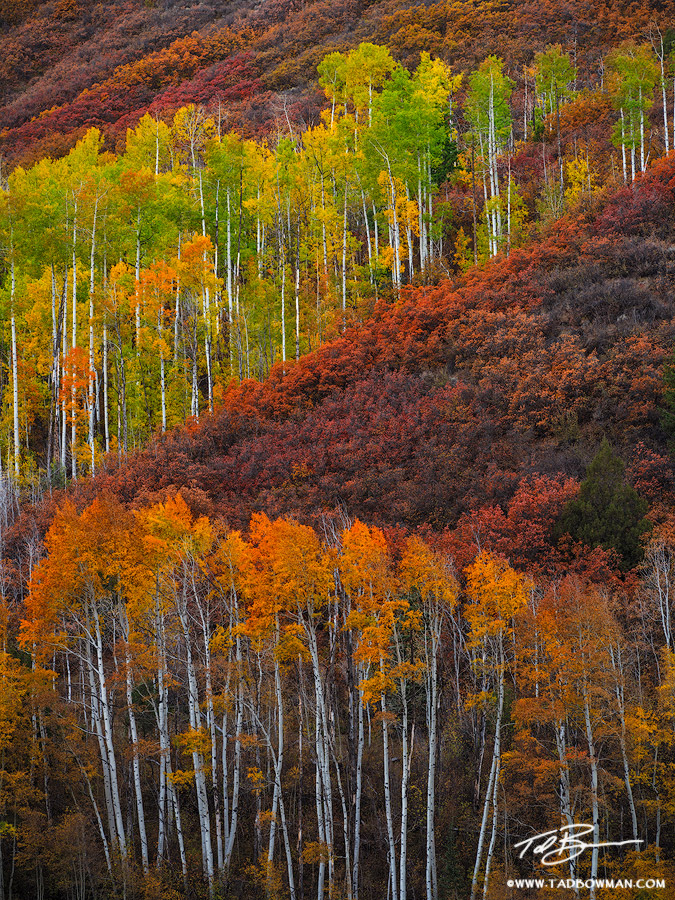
442,403
67,66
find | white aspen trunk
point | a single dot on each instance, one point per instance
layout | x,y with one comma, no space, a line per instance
661,565
359,791
64,423
297,310
420,216
430,214
508,213
411,265
138,278
376,231
101,829
156,148
495,785
368,241
626,775
323,229
666,134
201,199
211,725
197,756
54,378
525,106
279,763
287,843
345,828
405,779
73,423
642,132
344,255
207,344
322,745
15,380
319,804
493,836
194,405
494,174
396,270
91,373
623,147
617,666
223,760
103,750
432,719
283,307
108,736
162,374
217,295
408,235
173,797
387,801
136,762
229,273
236,774
176,320
486,196
564,775
276,761
106,421
258,237
593,762
494,772
165,749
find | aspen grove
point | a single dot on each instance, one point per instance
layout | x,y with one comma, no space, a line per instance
266,709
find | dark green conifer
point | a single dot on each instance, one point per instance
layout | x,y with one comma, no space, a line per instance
608,512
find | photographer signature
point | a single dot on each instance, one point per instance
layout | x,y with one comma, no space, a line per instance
564,844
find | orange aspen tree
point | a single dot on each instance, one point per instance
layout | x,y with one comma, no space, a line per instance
427,576
496,595
177,540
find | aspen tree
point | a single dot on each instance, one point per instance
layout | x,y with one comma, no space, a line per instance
428,576
497,595
487,108
635,74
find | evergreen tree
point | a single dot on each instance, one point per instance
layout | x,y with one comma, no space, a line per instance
608,512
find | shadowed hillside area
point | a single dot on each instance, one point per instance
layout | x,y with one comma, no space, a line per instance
67,66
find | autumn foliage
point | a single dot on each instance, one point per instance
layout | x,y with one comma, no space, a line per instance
337,502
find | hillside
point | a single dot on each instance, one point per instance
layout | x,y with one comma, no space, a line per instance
466,413
337,486
67,66
441,402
